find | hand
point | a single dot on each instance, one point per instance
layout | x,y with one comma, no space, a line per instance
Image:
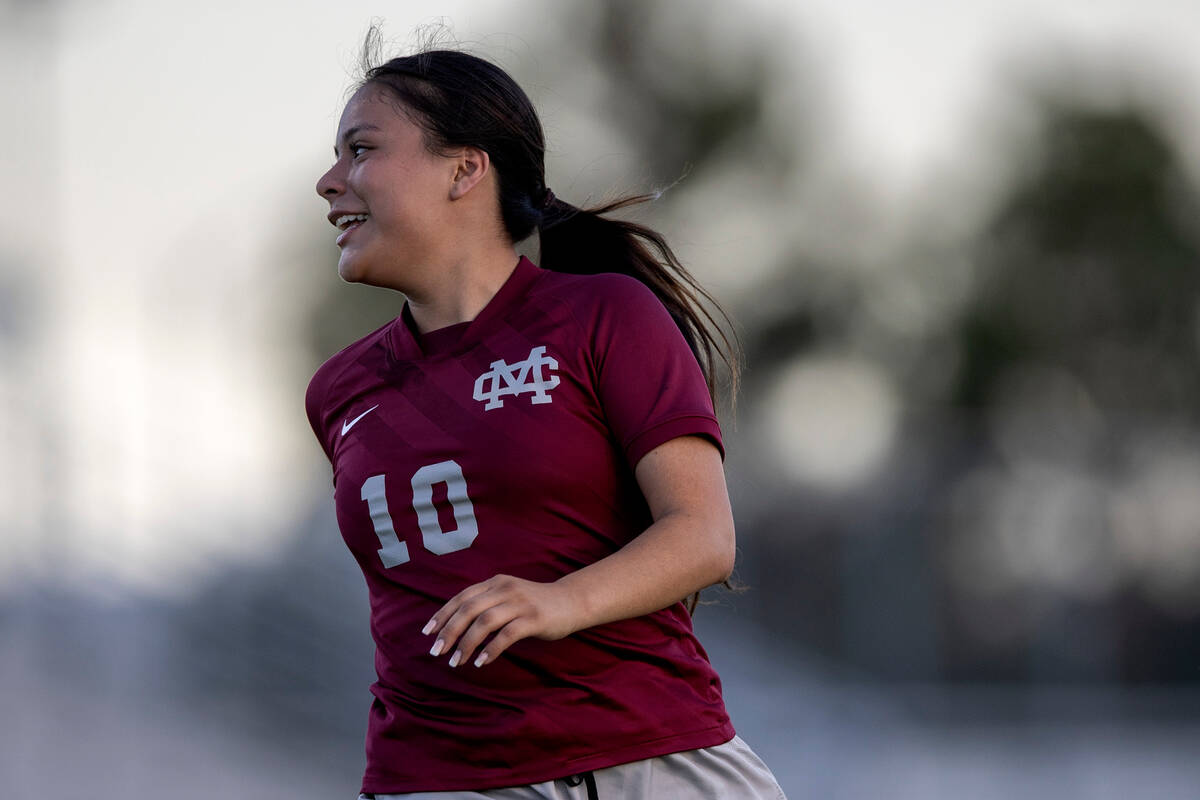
511,608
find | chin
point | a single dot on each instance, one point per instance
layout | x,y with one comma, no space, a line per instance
351,269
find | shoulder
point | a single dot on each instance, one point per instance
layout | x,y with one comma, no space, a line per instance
597,287
594,298
328,376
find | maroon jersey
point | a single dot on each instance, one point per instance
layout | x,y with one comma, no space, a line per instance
506,445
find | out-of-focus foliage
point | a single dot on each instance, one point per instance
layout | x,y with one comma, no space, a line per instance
686,106
1091,267
1039,516
1079,512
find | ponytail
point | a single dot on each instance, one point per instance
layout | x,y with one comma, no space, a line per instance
586,241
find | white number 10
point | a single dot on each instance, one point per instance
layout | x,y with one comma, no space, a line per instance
395,552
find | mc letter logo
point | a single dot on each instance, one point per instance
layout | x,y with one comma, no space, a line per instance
513,380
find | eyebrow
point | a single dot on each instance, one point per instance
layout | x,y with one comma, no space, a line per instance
352,132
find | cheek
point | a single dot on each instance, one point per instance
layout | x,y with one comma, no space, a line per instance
401,201
410,214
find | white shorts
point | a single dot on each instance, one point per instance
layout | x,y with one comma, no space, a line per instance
729,770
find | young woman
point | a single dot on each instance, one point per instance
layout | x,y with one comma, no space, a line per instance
526,463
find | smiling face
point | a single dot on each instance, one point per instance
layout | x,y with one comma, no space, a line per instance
389,193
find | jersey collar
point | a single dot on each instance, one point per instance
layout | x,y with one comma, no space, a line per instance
403,345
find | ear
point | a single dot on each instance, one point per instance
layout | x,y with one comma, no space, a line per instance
471,166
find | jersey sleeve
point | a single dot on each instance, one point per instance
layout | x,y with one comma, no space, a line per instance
314,399
648,380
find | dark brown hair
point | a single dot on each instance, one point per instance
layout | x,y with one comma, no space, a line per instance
461,100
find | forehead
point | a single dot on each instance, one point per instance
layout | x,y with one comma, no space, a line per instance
373,107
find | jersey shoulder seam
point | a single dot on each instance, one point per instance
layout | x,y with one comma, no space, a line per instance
347,362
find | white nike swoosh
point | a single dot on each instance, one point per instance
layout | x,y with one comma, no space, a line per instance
346,426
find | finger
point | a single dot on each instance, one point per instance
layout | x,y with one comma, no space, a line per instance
516,630
462,619
443,614
483,626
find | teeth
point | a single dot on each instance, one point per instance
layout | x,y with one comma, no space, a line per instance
344,221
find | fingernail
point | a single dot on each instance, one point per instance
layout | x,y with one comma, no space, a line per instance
454,659
482,658
437,647
428,627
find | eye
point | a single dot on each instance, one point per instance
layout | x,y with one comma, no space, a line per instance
356,149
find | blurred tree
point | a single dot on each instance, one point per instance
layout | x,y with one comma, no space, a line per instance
683,104
1038,518
1091,265
1079,381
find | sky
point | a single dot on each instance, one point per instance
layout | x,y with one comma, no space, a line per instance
911,79
155,150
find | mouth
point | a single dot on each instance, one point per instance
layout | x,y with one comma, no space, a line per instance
348,223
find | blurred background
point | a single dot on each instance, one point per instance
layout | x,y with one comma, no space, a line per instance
962,244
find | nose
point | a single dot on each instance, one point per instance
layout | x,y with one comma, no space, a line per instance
329,185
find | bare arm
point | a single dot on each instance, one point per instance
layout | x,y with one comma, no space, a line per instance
689,546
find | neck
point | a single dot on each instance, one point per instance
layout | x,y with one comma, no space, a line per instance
461,289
